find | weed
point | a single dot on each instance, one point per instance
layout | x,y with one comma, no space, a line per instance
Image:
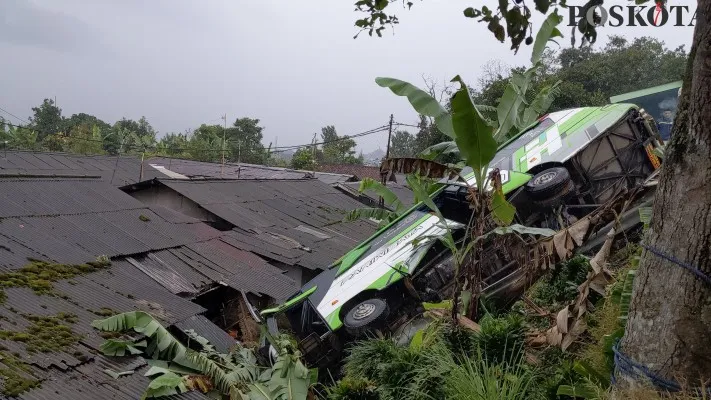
110,335
45,334
105,312
143,218
353,389
17,376
561,285
501,338
39,275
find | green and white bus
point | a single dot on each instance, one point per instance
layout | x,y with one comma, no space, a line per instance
561,168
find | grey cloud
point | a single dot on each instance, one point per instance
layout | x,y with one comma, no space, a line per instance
23,23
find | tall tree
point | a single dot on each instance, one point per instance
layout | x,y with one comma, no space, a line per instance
428,135
245,141
46,119
174,145
337,149
669,324
206,144
402,144
306,158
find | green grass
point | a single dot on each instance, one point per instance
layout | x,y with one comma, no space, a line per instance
449,363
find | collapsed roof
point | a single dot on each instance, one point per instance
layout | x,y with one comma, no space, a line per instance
295,222
159,261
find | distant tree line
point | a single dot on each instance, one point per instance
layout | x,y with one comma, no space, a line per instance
589,77
47,129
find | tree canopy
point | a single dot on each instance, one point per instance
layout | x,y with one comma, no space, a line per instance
84,133
589,77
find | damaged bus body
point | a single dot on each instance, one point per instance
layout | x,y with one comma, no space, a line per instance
555,172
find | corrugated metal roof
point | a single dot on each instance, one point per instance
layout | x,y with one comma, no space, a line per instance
207,329
199,169
404,193
267,213
359,171
116,170
76,220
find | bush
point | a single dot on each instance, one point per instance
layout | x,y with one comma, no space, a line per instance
448,362
466,378
353,389
501,338
561,284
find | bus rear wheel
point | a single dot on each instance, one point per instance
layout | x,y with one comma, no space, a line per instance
366,316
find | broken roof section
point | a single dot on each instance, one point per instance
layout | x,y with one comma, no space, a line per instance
295,222
402,191
125,170
199,169
75,220
159,259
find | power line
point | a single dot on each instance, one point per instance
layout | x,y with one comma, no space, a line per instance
192,149
401,124
357,135
11,114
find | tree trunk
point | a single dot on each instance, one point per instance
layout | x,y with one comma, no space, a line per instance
669,326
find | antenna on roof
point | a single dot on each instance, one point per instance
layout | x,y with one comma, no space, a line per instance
140,177
224,131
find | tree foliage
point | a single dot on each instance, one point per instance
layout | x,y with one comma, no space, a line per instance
46,118
590,76
306,158
337,149
402,144
244,139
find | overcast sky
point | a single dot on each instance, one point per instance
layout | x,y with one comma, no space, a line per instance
292,64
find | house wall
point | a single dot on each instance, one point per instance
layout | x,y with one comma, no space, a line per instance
168,198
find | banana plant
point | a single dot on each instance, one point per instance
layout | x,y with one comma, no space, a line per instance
176,368
513,113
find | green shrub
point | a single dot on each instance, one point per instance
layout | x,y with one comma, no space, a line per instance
561,285
464,377
501,338
399,372
554,368
353,389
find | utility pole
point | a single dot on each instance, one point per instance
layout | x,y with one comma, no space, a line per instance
239,150
390,132
313,153
224,131
384,174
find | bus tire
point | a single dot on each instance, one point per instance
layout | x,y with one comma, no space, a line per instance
549,184
366,315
